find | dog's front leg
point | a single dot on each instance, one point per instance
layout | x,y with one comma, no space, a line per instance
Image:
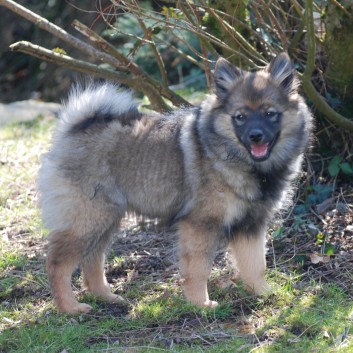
248,253
197,249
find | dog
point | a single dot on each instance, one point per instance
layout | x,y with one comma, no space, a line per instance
218,173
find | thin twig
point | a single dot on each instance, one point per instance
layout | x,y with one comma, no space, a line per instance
276,25
134,69
238,37
185,26
156,53
342,8
183,54
101,43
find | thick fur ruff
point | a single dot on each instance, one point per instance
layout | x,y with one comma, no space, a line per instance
219,173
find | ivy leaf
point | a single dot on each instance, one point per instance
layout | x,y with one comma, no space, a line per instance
346,168
156,30
334,166
330,249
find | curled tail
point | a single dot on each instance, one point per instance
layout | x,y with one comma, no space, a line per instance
75,153
94,104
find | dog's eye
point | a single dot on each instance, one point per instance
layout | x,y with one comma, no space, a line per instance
271,114
239,117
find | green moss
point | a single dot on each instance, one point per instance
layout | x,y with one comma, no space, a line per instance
339,49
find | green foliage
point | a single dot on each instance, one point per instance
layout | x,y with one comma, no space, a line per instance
337,165
300,260
279,232
59,51
171,12
327,248
8,286
19,172
315,194
314,319
11,259
129,36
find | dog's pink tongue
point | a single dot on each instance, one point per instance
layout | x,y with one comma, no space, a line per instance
259,151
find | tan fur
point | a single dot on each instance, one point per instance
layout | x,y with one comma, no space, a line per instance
249,259
193,169
196,256
60,265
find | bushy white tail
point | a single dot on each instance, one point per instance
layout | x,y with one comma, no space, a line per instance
94,99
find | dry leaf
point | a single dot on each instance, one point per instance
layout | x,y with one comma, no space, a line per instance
315,259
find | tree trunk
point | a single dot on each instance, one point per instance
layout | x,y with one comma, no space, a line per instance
339,49
237,11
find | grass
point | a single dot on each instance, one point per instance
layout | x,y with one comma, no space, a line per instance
301,314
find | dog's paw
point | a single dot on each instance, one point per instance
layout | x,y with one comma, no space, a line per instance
257,288
211,304
83,308
103,293
205,304
112,298
75,308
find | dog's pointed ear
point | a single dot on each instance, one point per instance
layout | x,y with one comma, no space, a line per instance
225,76
283,73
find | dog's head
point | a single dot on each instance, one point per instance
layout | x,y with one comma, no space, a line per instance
261,108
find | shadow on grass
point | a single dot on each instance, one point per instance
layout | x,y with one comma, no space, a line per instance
315,319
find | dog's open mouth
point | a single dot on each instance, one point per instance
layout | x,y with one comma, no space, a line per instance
259,151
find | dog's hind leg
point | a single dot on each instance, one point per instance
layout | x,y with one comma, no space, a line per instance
84,227
66,251
63,256
93,270
248,252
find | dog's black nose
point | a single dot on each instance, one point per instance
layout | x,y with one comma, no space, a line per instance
256,135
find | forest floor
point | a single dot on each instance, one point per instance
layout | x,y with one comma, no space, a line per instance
310,269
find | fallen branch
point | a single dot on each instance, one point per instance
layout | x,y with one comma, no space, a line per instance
65,60
157,101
